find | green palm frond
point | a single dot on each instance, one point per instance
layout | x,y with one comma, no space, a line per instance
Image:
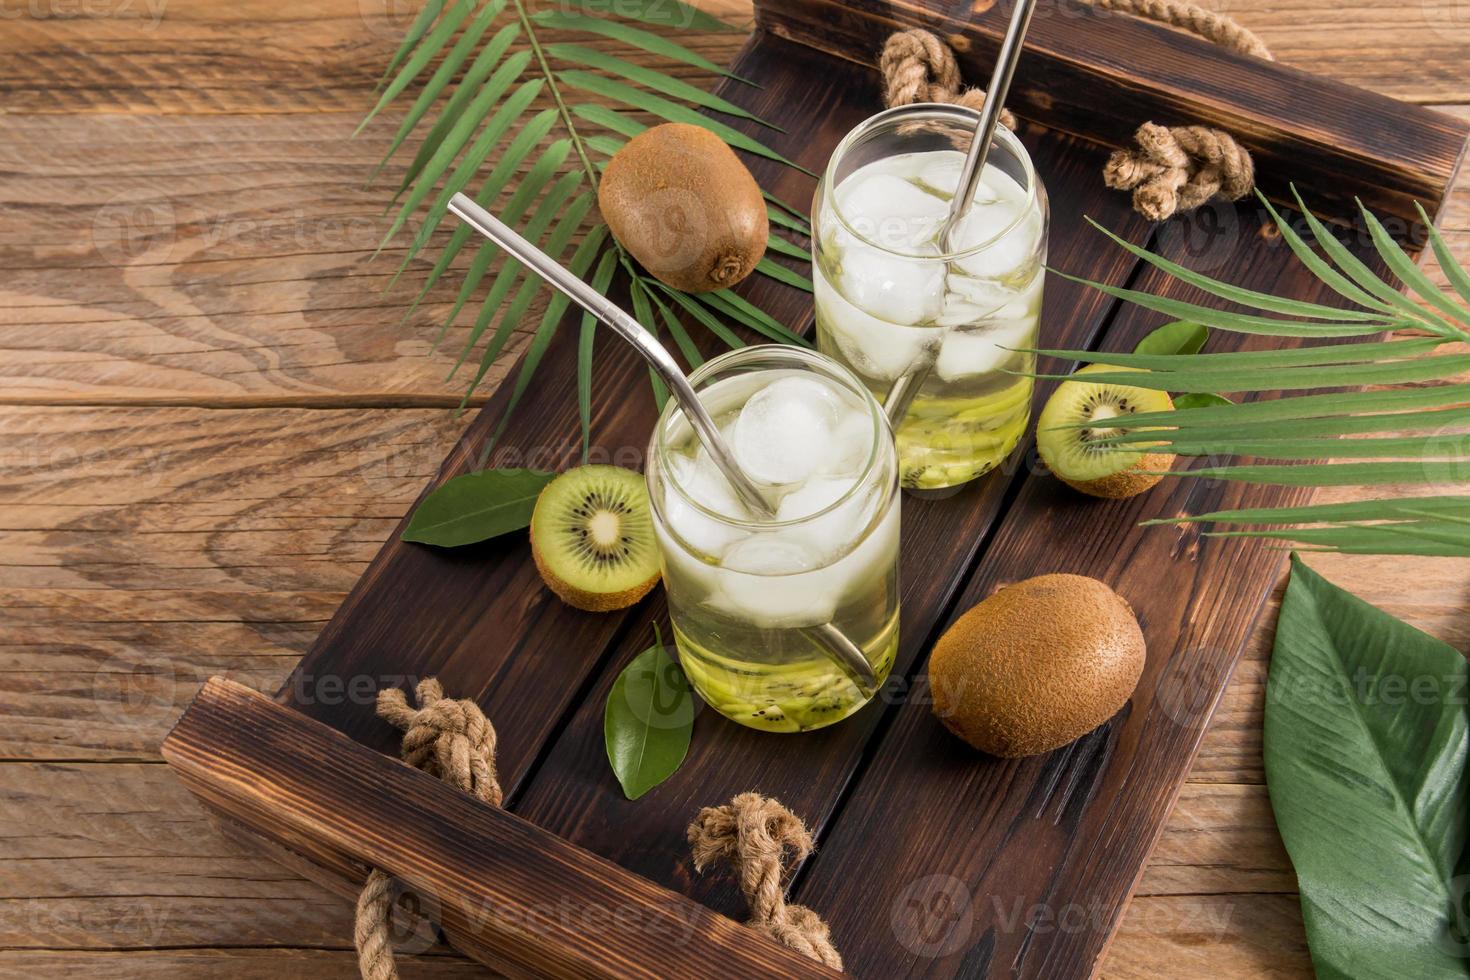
1410,419
480,73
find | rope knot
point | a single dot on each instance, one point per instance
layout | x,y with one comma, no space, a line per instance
753,834
444,737
918,67
1180,168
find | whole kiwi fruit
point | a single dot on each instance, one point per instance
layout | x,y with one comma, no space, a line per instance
680,201
592,538
1078,457
1036,665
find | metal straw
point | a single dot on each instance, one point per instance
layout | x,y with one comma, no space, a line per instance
843,651
901,395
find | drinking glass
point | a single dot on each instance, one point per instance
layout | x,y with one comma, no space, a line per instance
744,593
892,298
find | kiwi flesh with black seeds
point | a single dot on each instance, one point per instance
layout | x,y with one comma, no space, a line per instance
1078,457
592,538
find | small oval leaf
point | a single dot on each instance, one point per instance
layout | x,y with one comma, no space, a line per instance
476,507
1200,399
1178,337
647,721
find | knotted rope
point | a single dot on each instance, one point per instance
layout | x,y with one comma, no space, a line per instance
445,738
752,833
1173,168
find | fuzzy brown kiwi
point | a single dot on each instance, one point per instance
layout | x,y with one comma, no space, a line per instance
592,538
1036,665
1076,456
683,204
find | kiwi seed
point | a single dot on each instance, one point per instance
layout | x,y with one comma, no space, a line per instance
592,538
1037,665
679,199
1078,458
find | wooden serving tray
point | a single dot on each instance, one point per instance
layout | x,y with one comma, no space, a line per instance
933,859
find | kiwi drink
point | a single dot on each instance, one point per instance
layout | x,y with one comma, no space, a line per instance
891,296
744,593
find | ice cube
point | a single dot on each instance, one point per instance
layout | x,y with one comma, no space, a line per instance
877,350
890,211
768,580
1007,257
901,290
986,347
784,433
852,443
703,482
833,533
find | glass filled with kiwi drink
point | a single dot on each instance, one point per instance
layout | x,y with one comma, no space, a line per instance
745,592
960,314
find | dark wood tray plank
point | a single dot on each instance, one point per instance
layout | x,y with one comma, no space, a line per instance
501,887
969,845
479,617
1098,75
574,793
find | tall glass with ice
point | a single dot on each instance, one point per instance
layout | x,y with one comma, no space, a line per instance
744,593
892,298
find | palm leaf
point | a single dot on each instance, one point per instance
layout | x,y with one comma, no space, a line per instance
1417,423
485,91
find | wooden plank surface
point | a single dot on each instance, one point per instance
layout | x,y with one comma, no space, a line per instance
99,655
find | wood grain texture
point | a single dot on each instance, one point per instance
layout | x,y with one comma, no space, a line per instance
502,888
91,76
1098,76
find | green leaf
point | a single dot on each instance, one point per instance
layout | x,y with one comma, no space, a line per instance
608,118
476,507
648,721
1323,270
674,88
780,273
1176,338
628,34
1365,754
659,13
743,311
1452,269
1208,379
1338,474
601,280
416,31
671,320
1200,399
484,64
1236,294
643,313
671,111
459,135
555,309
422,55
705,317
441,78
1356,510
775,243
1422,539
1410,273
1369,351
1235,322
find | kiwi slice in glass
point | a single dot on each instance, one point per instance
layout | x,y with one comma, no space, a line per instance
592,538
1080,457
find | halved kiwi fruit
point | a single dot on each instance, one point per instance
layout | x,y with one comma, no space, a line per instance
1078,457
592,538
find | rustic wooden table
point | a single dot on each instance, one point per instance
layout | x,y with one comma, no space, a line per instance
211,417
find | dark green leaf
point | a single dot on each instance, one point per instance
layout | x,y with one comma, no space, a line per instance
671,320
1205,379
1412,276
476,507
674,88
1356,510
1365,751
1452,269
416,31
742,310
1200,399
608,118
1339,474
1334,280
775,243
1179,337
648,721
1359,353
